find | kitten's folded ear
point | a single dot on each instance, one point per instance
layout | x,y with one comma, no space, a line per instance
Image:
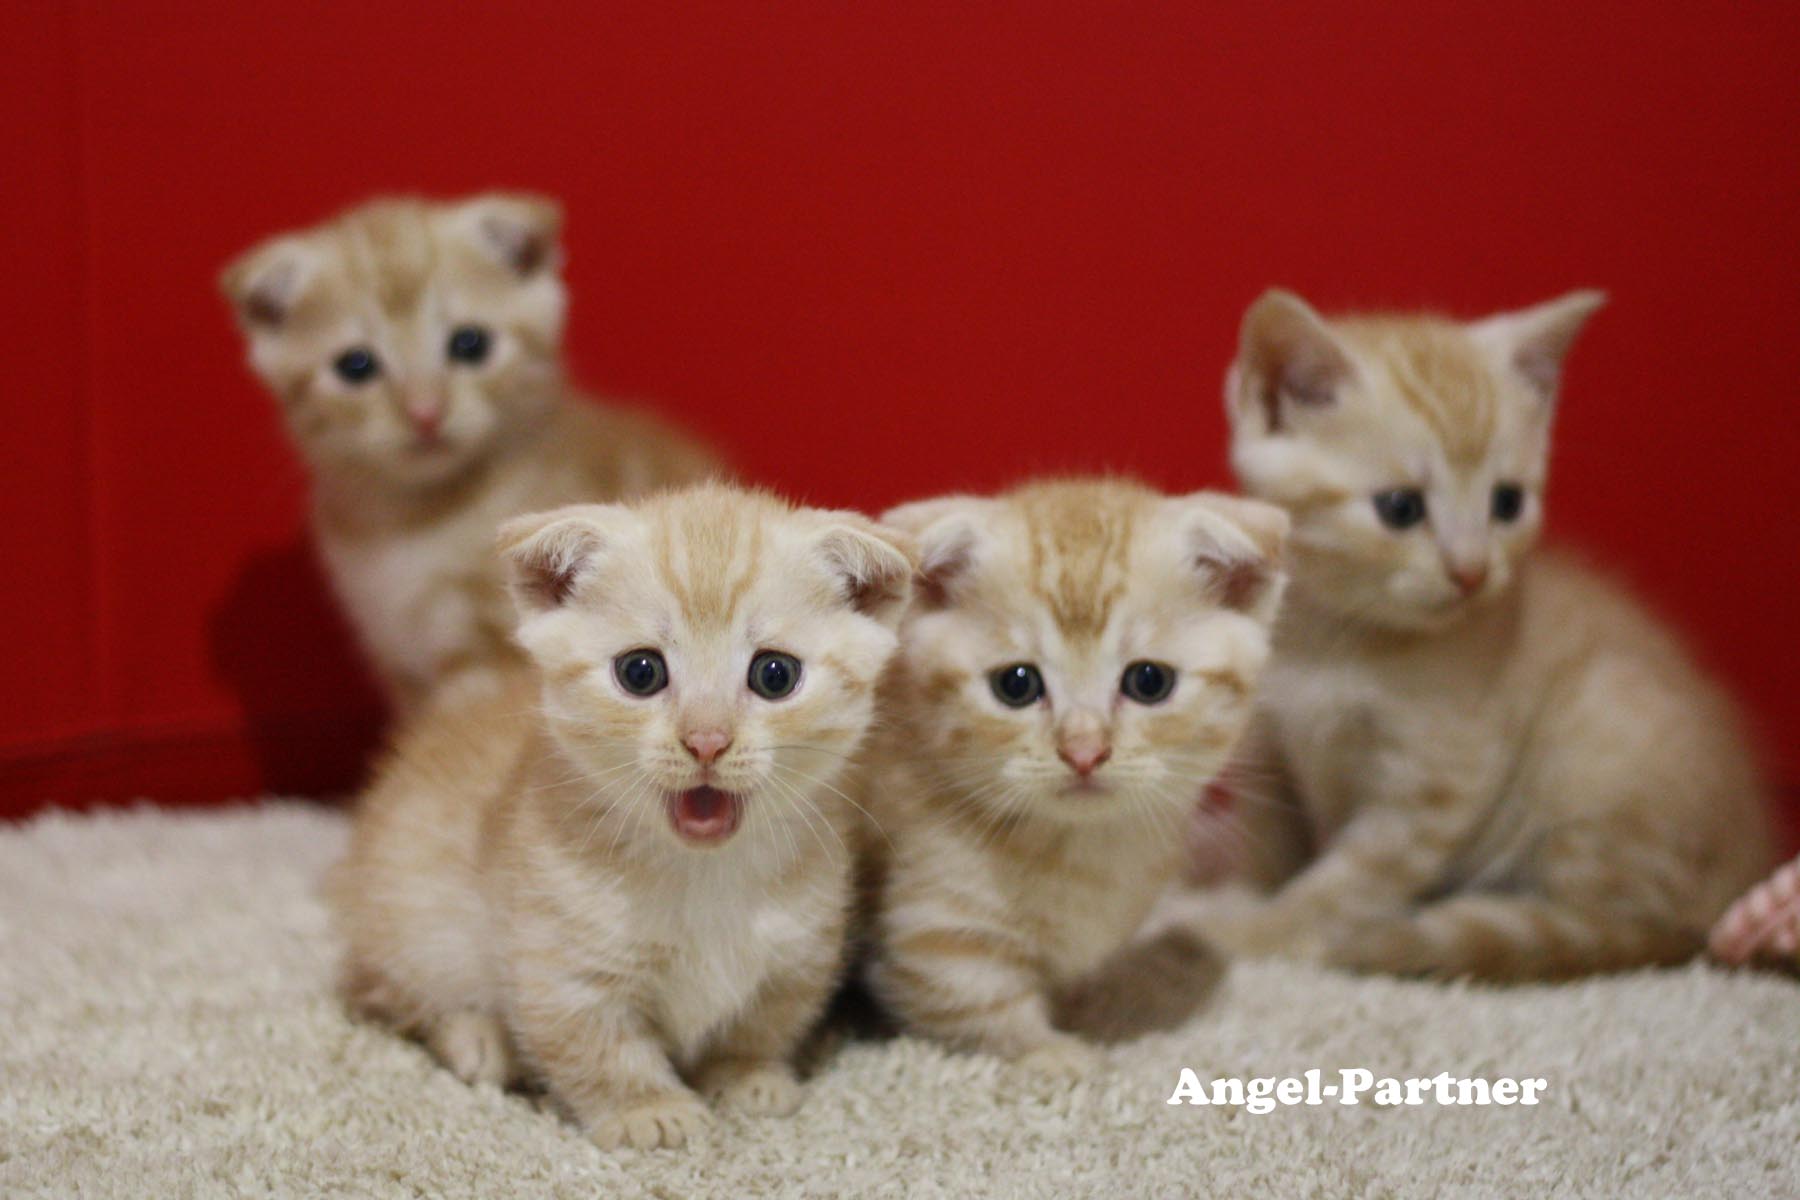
1535,341
948,533
1288,362
518,229
872,564
264,284
550,554
1236,547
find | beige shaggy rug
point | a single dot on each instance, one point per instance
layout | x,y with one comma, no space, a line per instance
167,1028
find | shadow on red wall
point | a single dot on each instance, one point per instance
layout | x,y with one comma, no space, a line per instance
278,633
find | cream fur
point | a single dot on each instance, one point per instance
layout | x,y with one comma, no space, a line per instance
1528,780
404,514
1010,878
517,894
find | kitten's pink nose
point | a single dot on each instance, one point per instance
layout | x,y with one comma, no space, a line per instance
706,744
1084,755
426,411
1469,580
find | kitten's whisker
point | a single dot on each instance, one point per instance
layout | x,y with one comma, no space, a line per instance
838,792
787,831
801,803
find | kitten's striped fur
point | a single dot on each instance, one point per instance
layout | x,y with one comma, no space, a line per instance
414,467
1529,780
518,894
1011,876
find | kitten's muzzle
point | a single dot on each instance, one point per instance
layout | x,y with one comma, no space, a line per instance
706,744
1468,578
1084,755
426,411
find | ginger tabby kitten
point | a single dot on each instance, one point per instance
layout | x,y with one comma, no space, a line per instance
1078,664
628,874
1500,765
415,349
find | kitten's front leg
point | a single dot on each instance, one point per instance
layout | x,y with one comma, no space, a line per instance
601,1058
1375,867
473,1044
750,1065
974,986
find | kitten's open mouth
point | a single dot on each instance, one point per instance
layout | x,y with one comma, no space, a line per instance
705,815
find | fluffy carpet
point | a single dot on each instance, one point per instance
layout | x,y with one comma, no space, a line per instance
167,1028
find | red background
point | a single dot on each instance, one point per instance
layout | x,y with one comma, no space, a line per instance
875,254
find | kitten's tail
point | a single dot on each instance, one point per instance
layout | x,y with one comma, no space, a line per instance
1146,987
1514,938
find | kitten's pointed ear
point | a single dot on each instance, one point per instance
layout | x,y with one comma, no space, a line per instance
1288,361
519,230
1535,341
872,565
550,554
947,531
264,284
1236,547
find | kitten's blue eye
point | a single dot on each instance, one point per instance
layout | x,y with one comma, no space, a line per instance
1148,682
1401,508
641,672
1509,501
469,344
1018,685
773,674
356,365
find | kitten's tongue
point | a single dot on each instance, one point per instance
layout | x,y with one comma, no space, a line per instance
705,815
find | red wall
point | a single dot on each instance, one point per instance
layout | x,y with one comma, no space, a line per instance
875,254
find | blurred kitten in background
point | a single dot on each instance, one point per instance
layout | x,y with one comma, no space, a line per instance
415,349
1491,763
1079,662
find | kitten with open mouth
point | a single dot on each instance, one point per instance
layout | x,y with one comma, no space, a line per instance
629,875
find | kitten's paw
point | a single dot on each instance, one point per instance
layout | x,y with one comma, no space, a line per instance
1381,946
760,1090
1226,916
1264,931
667,1121
474,1046
1063,1060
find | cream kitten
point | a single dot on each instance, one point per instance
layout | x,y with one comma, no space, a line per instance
1504,768
416,352
1078,665
632,870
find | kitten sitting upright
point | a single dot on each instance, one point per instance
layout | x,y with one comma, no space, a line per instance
1078,664
416,352
1503,767
633,870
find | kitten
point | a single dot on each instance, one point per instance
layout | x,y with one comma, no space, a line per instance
415,350
628,874
1078,664
1507,769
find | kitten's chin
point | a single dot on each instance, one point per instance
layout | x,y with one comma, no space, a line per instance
1083,802
1392,614
426,464
412,466
1424,619
1448,611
